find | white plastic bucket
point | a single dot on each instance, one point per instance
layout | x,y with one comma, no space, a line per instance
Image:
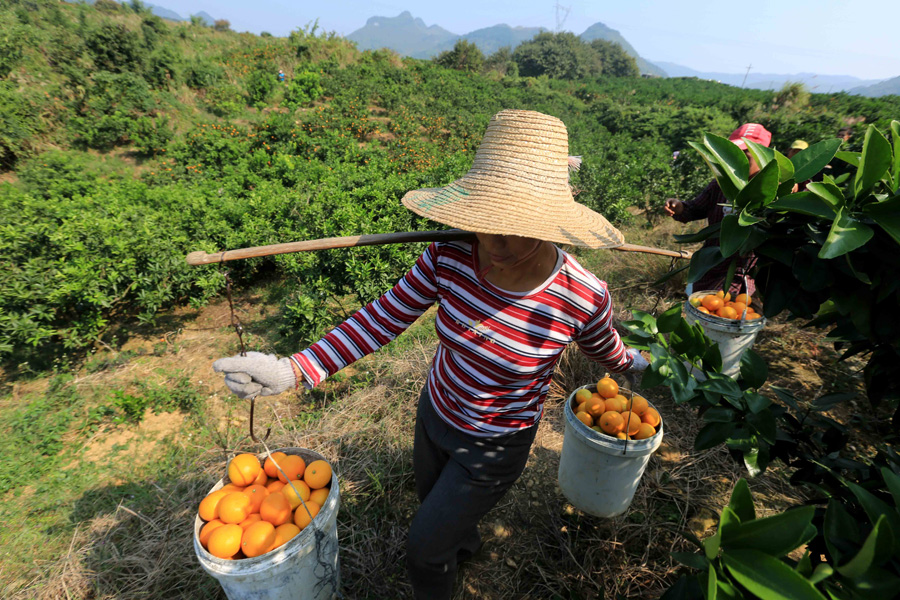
305,568
733,336
597,473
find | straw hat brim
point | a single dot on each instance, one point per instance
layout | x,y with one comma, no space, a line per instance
490,211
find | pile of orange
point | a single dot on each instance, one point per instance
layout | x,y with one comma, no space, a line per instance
609,412
261,509
720,305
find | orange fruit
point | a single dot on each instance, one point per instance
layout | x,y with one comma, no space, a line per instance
597,428
232,487
621,436
258,539
751,316
607,387
243,469
585,418
743,298
611,422
275,509
283,534
269,467
645,431
293,466
274,486
616,403
638,405
712,303
253,518
582,395
209,506
301,517
319,496
703,309
207,530
632,422
725,297
581,408
651,417
739,308
291,489
261,479
225,541
595,407
257,494
234,507
726,312
318,474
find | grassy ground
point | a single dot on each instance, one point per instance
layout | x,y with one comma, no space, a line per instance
103,467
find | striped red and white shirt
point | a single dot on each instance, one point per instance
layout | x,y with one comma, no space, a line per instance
497,349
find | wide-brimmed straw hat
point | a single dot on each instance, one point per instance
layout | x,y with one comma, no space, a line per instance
518,185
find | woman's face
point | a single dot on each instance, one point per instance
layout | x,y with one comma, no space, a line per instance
506,250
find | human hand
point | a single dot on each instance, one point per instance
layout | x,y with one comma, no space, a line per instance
256,374
639,363
673,207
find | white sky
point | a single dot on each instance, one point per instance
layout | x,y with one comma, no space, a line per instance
834,37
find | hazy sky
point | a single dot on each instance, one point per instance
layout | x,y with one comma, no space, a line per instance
836,37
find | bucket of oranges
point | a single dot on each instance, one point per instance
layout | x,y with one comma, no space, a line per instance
268,529
610,435
733,323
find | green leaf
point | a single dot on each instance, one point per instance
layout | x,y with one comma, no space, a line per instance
847,234
712,585
768,577
840,530
702,261
764,424
722,385
756,402
669,320
804,203
785,168
760,190
754,370
691,559
683,392
892,479
729,189
733,235
719,414
895,164
776,535
712,358
875,508
731,160
828,192
887,215
741,501
851,158
874,163
711,546
812,160
875,550
822,572
712,435
701,236
670,274
762,154
827,401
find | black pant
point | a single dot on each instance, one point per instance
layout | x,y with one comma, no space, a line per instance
459,478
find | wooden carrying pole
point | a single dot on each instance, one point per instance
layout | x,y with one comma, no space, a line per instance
376,239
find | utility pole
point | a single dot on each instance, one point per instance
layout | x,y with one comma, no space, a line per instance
564,10
750,66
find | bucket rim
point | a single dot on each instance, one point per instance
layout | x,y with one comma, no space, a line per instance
631,448
294,545
716,322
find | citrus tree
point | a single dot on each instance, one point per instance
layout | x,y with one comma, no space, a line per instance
829,255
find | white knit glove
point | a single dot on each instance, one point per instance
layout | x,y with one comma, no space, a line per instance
639,364
256,374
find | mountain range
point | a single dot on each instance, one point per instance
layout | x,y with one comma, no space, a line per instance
410,36
165,13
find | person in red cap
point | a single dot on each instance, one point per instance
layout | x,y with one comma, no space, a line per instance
712,205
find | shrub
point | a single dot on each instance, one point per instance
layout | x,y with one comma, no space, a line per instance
151,135
465,56
115,48
260,84
303,89
202,74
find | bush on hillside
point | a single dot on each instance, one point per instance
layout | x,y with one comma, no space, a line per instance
465,56
115,48
614,60
304,88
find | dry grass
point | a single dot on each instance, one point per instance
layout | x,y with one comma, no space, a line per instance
536,544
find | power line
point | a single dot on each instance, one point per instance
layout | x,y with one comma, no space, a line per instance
750,66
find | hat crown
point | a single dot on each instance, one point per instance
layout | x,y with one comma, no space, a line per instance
524,149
